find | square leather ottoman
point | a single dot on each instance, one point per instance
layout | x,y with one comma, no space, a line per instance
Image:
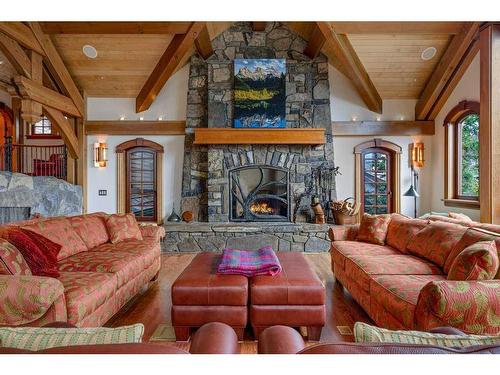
201,296
295,297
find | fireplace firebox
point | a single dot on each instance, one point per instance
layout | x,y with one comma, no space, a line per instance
259,193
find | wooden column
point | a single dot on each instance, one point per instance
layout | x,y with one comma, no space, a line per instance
489,125
121,183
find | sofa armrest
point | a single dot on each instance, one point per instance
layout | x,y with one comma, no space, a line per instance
280,340
214,338
155,231
343,232
27,298
471,306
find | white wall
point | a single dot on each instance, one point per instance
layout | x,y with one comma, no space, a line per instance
347,105
467,89
170,105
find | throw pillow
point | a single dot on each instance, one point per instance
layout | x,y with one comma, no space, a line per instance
11,260
123,227
40,253
37,338
401,230
366,333
373,228
91,229
478,261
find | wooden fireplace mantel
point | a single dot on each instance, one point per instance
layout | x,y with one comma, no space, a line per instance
233,136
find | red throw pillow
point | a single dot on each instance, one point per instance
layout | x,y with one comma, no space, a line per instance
39,252
123,227
373,228
478,261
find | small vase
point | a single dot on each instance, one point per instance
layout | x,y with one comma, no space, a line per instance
173,217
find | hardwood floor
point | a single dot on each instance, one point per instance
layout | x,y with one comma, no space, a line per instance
153,306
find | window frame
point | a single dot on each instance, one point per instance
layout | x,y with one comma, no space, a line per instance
451,155
51,135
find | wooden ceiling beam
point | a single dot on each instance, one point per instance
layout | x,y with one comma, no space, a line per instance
22,34
64,129
397,27
177,49
454,79
57,68
204,44
30,89
445,68
16,55
315,43
259,26
355,70
115,27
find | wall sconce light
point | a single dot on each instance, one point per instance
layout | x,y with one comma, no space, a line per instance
417,155
100,155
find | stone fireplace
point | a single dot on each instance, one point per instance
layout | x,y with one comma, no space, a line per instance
259,193
240,191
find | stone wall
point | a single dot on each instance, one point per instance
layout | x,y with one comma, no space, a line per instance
195,237
205,189
47,196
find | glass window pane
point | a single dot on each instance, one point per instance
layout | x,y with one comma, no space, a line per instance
370,210
382,188
370,188
469,156
382,200
381,210
381,177
369,200
381,164
371,155
369,165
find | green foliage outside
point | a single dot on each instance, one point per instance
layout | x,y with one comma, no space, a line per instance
470,156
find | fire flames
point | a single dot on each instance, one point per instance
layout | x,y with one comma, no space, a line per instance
261,208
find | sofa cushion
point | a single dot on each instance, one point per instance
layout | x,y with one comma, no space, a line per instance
398,294
436,241
123,227
91,229
39,338
148,249
341,250
365,333
12,261
401,230
85,292
39,253
124,266
448,219
61,232
361,268
373,228
460,216
478,261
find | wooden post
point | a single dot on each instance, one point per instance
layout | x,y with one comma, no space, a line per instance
489,124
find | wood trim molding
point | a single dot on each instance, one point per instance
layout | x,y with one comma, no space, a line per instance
228,136
355,69
115,27
159,188
138,142
382,128
462,108
121,183
179,46
463,203
377,142
445,68
135,127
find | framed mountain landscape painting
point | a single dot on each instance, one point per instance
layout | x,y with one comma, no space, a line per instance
259,93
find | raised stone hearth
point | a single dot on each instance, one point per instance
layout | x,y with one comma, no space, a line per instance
195,237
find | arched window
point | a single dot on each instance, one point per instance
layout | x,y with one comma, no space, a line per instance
378,176
43,129
462,155
139,179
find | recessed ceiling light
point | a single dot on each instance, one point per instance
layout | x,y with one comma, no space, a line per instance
1,62
428,53
89,51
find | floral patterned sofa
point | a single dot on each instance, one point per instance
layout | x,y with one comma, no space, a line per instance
96,279
403,282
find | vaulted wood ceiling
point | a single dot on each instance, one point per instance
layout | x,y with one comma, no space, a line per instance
382,58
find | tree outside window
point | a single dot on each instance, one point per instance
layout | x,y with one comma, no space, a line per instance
468,156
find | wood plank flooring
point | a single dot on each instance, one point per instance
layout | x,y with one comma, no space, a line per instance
153,306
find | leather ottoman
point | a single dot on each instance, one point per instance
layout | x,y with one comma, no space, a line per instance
201,296
294,298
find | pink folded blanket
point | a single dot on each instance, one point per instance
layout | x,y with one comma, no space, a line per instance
249,263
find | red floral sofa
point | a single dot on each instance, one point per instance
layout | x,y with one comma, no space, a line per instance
402,283
96,278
